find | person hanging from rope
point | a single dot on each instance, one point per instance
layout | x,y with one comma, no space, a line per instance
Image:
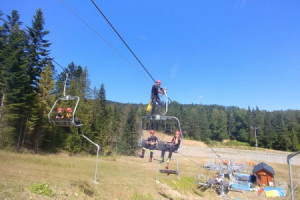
155,98
58,114
171,147
151,143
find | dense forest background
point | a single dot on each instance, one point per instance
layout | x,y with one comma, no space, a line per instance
29,86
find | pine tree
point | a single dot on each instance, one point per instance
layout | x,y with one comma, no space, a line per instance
3,68
250,126
204,125
44,103
13,119
37,56
218,125
102,120
128,143
37,49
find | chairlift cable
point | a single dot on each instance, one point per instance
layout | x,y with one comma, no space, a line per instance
52,59
65,69
139,61
103,39
124,42
215,152
97,7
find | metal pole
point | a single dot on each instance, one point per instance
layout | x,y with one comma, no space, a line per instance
156,173
98,149
67,75
256,145
177,167
289,157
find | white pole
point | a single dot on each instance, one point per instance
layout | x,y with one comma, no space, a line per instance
98,149
256,145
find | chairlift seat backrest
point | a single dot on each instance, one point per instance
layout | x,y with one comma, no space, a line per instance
64,122
160,146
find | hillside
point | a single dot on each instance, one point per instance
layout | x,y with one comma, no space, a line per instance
120,177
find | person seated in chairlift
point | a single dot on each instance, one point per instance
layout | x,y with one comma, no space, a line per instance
150,144
69,116
171,147
58,114
155,98
69,113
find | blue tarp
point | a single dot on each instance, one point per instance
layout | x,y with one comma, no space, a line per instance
242,182
241,185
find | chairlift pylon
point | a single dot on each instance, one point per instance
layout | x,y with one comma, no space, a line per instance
65,122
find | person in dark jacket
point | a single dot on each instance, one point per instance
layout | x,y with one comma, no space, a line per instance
58,113
150,144
155,98
171,147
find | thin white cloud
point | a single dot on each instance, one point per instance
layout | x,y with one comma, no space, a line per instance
200,97
174,71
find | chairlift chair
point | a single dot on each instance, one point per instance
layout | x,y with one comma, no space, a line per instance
65,122
162,117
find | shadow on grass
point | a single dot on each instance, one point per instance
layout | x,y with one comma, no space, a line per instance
85,187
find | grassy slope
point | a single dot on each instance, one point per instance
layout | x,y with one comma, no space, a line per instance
71,177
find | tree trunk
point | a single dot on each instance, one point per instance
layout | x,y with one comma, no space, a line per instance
20,133
1,106
2,125
37,142
24,135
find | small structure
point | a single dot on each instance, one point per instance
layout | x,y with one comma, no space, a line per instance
264,174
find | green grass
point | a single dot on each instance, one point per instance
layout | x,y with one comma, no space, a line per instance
61,176
236,143
42,189
184,184
138,196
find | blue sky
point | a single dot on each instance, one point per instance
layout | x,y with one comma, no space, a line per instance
227,52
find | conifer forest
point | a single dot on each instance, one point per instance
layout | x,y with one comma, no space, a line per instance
30,84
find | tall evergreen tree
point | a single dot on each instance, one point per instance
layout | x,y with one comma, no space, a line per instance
128,143
15,92
45,101
3,68
102,120
38,49
218,125
37,56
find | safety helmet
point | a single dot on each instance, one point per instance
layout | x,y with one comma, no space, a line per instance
177,133
158,81
59,109
68,109
152,132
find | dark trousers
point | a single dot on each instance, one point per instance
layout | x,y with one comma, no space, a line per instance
154,100
150,147
168,147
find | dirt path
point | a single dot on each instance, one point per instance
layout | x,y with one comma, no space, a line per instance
192,148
